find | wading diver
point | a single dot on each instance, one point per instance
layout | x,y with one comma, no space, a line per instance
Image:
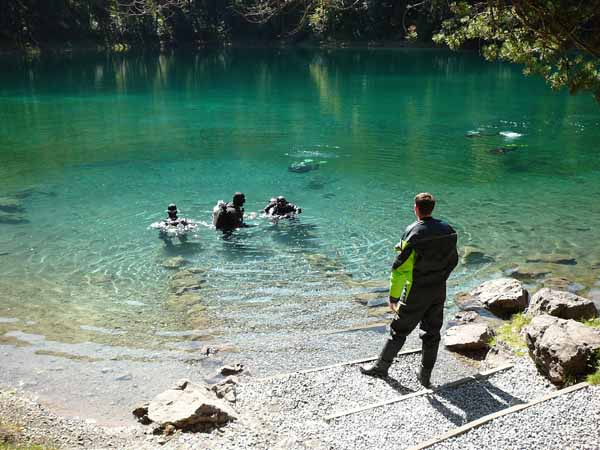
229,216
280,208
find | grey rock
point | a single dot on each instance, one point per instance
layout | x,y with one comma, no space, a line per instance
496,357
503,296
186,280
472,336
527,273
563,350
190,407
231,370
226,389
561,304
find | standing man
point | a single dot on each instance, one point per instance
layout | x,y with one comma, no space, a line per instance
427,255
229,216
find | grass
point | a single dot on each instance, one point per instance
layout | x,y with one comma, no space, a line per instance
510,334
594,378
594,323
9,439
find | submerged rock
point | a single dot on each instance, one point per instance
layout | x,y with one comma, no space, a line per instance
187,280
503,296
11,205
561,304
469,337
562,284
563,350
12,218
527,273
554,260
473,256
174,263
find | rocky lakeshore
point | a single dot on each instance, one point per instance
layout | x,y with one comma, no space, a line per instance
336,407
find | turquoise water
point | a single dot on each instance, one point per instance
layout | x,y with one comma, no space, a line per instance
96,147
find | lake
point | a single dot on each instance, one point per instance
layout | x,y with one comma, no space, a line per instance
93,149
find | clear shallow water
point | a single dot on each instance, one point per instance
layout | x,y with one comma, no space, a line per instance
103,144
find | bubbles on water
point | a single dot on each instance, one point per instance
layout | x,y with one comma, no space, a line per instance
510,134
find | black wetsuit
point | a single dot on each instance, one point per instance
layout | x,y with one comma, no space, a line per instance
229,217
427,257
282,210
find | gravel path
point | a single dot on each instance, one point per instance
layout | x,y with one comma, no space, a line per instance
571,421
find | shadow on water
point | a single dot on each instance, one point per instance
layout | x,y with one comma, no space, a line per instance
176,247
475,401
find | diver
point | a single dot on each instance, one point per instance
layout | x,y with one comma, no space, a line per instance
229,216
173,226
280,208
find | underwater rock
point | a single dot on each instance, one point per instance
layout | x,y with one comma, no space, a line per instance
100,278
175,262
563,284
316,184
11,205
186,280
473,256
527,273
554,260
12,218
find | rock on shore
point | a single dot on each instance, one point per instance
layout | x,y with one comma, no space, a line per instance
563,350
561,304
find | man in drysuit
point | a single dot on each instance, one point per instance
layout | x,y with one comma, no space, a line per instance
426,256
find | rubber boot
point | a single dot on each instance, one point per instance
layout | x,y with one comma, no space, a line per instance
428,358
424,376
386,358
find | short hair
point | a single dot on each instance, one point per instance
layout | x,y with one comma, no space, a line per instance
425,203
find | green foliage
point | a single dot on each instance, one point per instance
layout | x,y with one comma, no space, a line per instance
594,378
552,38
510,334
594,323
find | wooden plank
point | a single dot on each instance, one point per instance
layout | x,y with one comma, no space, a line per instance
333,366
485,419
454,383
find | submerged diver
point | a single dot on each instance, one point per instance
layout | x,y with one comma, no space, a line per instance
282,209
229,216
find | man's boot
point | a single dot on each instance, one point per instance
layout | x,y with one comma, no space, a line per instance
428,358
386,358
424,376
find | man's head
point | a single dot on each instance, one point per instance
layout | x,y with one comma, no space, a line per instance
424,204
281,201
239,199
172,210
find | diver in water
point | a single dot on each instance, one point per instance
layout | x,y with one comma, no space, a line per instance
173,226
172,218
229,216
280,208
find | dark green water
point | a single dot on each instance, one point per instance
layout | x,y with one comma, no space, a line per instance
103,144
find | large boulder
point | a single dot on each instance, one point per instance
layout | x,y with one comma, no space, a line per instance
503,296
561,304
470,337
187,406
563,350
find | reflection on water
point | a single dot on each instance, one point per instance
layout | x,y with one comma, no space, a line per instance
92,148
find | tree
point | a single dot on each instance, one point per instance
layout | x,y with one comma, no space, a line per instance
557,39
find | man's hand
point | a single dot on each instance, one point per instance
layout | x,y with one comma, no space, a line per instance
393,303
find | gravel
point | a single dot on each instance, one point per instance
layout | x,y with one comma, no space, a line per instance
287,411
571,421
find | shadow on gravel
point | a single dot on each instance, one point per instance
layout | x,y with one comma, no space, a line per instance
471,401
395,384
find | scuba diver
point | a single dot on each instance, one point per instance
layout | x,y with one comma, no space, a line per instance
173,225
229,216
280,208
